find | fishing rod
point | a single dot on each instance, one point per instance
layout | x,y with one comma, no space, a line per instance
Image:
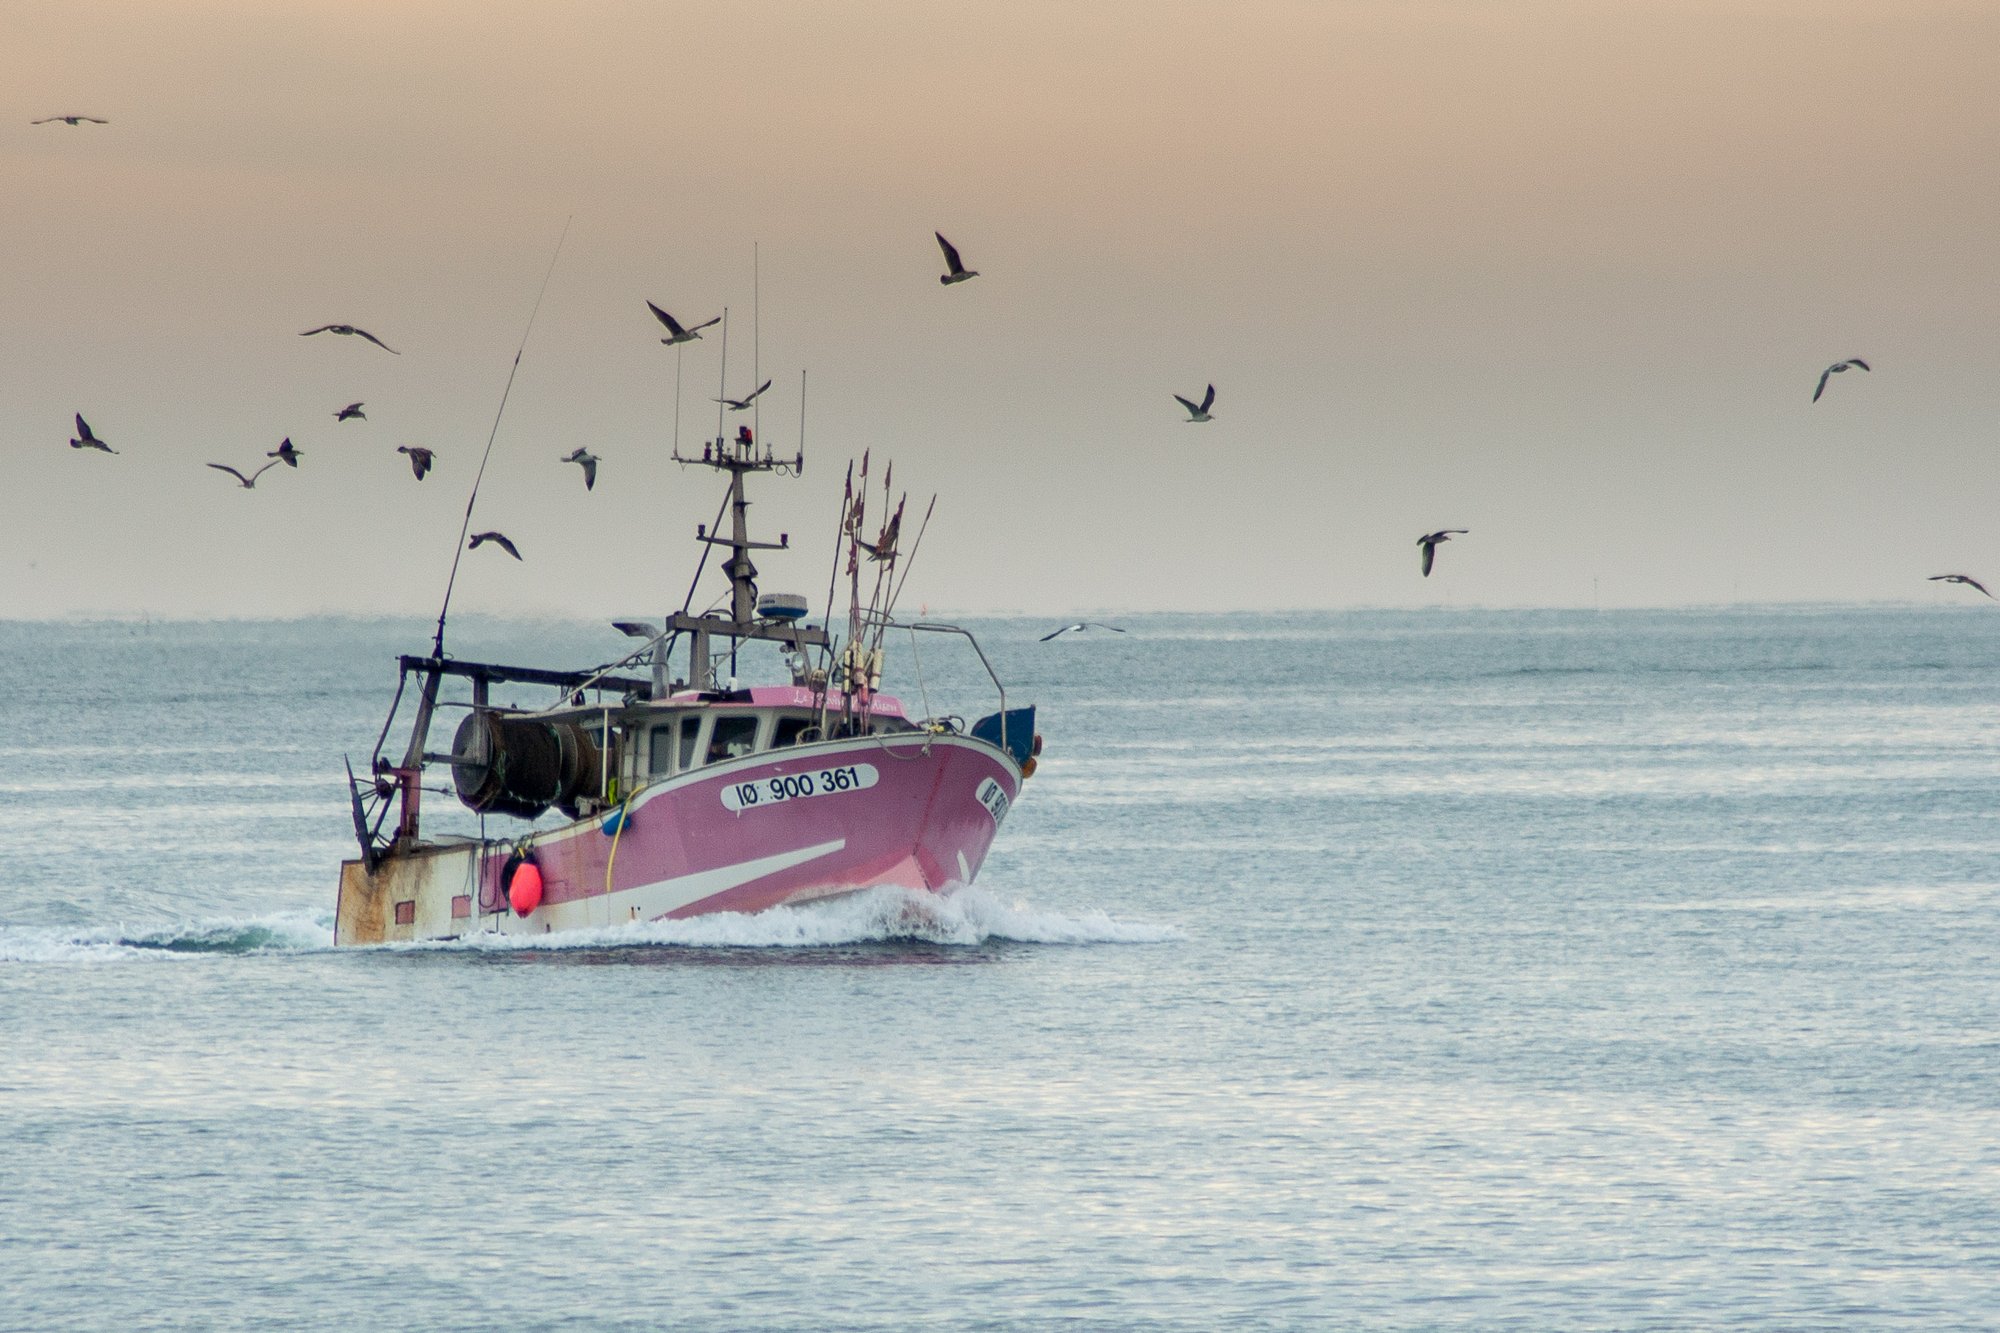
458,553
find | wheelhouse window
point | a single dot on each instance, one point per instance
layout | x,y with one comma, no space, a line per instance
734,736
660,759
788,730
690,729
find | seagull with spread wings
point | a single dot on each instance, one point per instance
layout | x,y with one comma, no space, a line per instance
586,460
1429,541
742,404
69,120
1966,579
1837,368
498,539
352,412
348,330
1199,413
286,454
420,458
249,482
85,440
676,333
959,272
1079,627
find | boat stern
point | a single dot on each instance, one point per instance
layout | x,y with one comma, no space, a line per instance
427,893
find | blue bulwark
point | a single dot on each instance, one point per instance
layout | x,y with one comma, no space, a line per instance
1020,732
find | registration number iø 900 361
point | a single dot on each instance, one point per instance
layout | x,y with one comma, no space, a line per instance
797,786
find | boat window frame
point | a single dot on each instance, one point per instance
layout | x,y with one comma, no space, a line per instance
662,734
759,720
779,717
693,741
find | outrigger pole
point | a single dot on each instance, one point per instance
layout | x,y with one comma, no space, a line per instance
407,776
458,552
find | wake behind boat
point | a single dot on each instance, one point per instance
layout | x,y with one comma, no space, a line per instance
684,795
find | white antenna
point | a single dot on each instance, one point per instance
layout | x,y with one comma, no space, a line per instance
722,385
756,341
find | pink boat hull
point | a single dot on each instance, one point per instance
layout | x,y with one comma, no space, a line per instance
779,827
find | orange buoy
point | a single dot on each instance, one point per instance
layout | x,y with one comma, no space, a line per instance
524,891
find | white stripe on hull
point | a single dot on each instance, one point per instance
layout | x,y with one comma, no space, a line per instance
645,902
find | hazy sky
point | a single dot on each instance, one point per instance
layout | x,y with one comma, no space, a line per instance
1560,273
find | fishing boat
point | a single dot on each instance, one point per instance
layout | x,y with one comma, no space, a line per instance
648,790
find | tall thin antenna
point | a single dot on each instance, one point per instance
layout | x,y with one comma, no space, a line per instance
722,385
458,552
756,340
679,350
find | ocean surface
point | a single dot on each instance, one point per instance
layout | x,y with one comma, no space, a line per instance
1398,970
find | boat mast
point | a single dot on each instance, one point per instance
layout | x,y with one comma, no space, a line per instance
739,457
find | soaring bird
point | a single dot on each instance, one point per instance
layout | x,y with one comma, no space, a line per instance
352,412
420,458
1966,579
1080,626
85,440
1199,413
352,332
679,334
286,454
496,538
1838,367
69,120
959,272
739,404
586,460
1430,540
249,481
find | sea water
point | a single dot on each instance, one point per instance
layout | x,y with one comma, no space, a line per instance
1530,969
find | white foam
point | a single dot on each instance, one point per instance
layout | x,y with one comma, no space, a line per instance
110,944
970,916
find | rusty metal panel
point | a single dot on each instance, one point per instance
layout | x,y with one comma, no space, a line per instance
409,897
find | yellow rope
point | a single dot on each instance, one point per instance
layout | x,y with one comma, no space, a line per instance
611,860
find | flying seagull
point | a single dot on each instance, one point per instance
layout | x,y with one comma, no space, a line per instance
739,404
680,335
1199,413
496,538
1966,579
352,332
420,458
1838,367
959,272
586,460
286,454
1080,626
85,440
1430,540
249,481
352,412
69,120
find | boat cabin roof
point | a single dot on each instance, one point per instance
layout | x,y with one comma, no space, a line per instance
776,696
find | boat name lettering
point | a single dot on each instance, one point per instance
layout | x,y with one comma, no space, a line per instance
994,799
784,787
